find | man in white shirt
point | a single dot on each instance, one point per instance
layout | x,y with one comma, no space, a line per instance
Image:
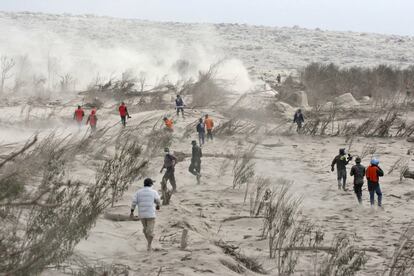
147,200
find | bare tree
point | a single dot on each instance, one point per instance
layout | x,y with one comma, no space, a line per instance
67,83
142,77
6,65
52,68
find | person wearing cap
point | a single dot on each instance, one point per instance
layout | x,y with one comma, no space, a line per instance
179,105
169,164
373,173
341,161
148,200
358,172
195,165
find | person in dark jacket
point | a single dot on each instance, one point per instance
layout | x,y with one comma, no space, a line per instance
373,173
278,78
341,161
179,105
169,164
195,165
358,172
298,119
201,130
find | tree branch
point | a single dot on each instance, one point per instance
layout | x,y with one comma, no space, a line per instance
13,155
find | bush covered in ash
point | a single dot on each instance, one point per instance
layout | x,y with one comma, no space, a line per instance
44,214
325,81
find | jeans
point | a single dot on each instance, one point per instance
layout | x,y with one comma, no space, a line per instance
201,136
299,126
182,111
169,176
123,120
341,177
195,167
374,188
358,191
209,134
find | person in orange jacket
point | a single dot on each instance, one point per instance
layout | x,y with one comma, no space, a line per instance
78,115
208,122
373,173
123,112
169,124
92,120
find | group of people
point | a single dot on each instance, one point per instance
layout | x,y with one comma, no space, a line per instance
359,172
148,199
92,119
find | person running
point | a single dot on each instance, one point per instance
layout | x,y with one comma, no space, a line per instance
341,161
209,126
179,105
195,165
147,200
123,112
298,119
78,115
169,124
373,173
92,120
169,164
358,172
201,130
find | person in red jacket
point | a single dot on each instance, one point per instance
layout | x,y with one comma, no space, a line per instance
373,173
92,120
78,115
123,112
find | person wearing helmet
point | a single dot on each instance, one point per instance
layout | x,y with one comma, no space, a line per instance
298,119
358,172
169,164
341,160
373,173
179,105
195,165
148,200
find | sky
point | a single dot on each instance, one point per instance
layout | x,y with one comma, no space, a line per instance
378,16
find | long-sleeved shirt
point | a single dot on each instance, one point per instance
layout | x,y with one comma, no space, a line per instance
358,172
146,199
179,102
341,161
201,128
169,161
196,153
298,118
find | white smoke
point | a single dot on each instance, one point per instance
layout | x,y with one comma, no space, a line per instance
51,46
